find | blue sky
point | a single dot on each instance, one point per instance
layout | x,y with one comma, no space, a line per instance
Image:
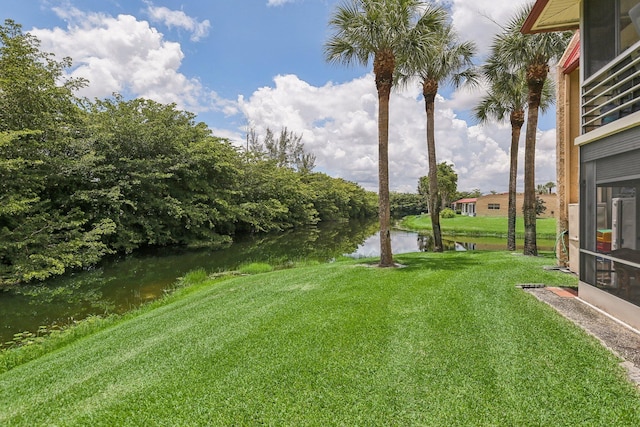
259,63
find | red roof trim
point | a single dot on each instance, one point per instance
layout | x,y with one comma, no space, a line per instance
537,9
573,59
466,201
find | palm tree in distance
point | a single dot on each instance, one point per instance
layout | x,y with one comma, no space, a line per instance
378,30
507,97
446,60
531,53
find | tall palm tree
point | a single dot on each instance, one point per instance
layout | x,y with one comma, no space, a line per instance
507,97
531,53
446,60
378,30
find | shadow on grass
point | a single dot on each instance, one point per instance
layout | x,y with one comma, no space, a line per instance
431,261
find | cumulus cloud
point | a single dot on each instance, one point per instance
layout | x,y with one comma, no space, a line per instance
179,19
339,125
338,121
126,55
480,21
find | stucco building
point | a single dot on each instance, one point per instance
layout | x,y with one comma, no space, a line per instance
497,205
599,147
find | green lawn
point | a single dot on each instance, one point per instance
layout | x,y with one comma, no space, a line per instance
480,226
446,341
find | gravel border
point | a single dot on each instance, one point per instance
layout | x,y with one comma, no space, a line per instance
619,338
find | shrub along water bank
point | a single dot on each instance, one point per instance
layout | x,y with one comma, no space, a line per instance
446,340
462,225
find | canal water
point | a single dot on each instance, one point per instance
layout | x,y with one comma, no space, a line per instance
121,284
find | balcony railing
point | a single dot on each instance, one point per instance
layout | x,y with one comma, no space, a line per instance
613,92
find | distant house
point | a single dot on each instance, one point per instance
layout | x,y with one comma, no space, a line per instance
498,204
465,206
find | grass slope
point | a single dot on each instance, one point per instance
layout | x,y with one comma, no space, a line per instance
480,226
447,340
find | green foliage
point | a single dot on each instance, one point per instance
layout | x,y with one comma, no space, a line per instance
403,204
40,234
193,277
255,268
540,207
79,181
447,185
338,199
447,213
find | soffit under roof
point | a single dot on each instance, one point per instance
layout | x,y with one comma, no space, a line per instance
553,15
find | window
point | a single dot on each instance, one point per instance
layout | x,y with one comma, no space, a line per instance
612,26
494,206
617,240
629,22
610,215
599,34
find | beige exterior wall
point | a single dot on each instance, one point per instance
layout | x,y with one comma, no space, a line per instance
498,204
567,163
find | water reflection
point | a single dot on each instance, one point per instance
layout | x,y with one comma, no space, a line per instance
118,285
409,241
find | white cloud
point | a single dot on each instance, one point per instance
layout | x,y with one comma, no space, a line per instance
479,21
123,54
278,2
338,121
339,125
179,19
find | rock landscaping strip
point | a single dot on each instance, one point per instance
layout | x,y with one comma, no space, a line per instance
623,341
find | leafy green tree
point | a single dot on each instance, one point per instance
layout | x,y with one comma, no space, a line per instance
380,30
531,53
444,60
507,97
35,93
337,199
403,204
273,198
447,186
159,175
40,234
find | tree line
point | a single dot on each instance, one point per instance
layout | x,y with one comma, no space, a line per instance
83,179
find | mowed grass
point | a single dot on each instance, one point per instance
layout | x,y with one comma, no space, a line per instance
480,226
448,340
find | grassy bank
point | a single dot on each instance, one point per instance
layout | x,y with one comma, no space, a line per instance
447,340
479,226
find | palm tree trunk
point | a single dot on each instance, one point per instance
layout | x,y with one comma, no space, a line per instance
517,120
434,206
536,75
384,80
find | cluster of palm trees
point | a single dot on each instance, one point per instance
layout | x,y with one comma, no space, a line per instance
413,41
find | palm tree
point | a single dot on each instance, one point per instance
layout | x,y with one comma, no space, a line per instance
446,60
531,53
550,186
507,96
378,30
